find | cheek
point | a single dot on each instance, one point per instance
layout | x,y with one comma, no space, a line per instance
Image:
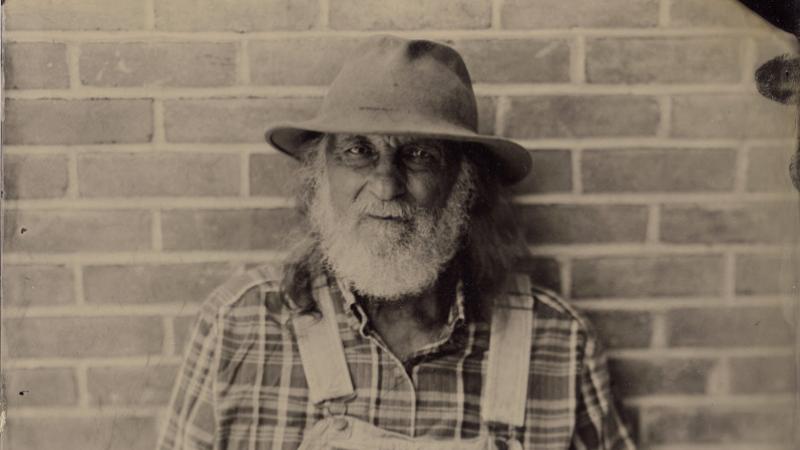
428,191
344,186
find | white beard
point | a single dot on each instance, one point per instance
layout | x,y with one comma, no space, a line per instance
387,260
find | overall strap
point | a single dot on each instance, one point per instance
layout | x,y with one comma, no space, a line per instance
505,393
321,351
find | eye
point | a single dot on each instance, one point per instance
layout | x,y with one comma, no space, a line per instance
422,157
358,150
356,154
421,154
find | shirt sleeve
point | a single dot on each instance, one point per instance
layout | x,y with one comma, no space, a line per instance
597,423
190,420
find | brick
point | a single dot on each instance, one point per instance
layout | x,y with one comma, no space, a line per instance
768,170
551,171
730,116
299,61
663,60
728,425
272,175
727,327
634,377
35,176
718,13
31,285
156,283
579,13
622,329
85,121
191,64
658,170
75,231
516,60
583,224
647,276
183,327
241,15
231,119
82,337
765,274
487,107
410,14
85,433
544,272
125,386
158,174
579,116
727,223
763,375
237,229
71,15
35,65
40,387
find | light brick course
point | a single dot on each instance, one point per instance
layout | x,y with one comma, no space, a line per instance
231,120
35,65
84,121
658,170
579,13
81,15
582,116
239,15
134,175
76,231
158,64
81,337
409,14
663,60
37,285
35,176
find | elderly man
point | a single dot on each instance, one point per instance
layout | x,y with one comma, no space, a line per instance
398,320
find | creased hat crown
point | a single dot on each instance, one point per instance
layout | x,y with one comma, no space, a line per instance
420,81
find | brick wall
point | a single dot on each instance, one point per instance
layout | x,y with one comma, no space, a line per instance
136,179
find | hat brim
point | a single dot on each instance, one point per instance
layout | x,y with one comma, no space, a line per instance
513,162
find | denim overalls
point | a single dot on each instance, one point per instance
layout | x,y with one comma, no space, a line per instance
504,393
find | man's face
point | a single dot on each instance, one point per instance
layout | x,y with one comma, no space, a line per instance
390,210
400,171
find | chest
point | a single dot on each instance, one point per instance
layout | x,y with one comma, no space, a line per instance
405,338
262,394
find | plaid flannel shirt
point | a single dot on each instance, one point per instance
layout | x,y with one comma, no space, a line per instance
242,384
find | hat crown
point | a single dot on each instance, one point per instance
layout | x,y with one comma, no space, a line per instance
396,86
405,80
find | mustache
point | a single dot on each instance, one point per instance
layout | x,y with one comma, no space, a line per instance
385,209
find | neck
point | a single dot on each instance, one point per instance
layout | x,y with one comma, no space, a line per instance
429,308
412,322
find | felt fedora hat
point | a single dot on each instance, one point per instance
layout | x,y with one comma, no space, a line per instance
398,86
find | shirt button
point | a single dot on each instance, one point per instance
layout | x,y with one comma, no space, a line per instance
514,444
339,423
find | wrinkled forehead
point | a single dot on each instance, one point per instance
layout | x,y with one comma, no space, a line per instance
390,140
450,150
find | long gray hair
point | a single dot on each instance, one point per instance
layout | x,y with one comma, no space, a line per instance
491,246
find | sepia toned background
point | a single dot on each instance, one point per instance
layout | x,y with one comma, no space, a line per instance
136,179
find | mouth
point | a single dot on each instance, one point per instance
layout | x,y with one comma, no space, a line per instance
391,219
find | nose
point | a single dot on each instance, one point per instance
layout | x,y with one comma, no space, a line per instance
386,182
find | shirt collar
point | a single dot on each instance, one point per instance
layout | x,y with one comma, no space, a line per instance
358,319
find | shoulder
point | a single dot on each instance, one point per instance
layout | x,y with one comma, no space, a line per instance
555,314
252,288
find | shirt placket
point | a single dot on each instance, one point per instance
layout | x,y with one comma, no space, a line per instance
394,377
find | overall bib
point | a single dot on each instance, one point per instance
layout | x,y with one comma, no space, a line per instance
503,401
